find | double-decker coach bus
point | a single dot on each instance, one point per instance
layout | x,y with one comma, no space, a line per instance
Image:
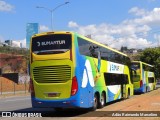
143,77
69,70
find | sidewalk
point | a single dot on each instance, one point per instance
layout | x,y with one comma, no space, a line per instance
12,94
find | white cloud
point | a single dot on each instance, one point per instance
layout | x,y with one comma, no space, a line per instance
1,39
23,41
157,38
133,33
72,24
6,6
152,18
132,42
138,12
117,35
43,28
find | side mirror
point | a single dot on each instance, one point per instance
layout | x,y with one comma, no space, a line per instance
95,52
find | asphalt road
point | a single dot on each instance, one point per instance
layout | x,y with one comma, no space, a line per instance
22,104
14,103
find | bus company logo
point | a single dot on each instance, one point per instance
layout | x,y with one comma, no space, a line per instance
6,114
45,43
87,75
115,68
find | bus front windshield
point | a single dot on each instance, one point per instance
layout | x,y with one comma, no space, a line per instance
135,66
51,44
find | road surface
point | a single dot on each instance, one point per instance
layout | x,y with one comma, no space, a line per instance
140,102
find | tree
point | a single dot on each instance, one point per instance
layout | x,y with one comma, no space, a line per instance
152,56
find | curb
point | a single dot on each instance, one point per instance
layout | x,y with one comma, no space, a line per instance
14,95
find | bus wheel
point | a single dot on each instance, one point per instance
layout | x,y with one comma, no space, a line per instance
128,96
102,101
146,89
95,103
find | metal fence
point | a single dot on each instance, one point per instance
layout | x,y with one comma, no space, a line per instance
8,86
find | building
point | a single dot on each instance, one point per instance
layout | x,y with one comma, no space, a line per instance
32,28
12,43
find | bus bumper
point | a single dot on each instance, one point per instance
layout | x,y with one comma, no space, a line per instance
67,103
140,90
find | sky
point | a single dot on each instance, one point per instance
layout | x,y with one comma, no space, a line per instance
117,23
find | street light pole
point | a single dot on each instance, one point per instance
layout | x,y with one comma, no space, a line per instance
51,11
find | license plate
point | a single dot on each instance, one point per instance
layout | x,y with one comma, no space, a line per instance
53,94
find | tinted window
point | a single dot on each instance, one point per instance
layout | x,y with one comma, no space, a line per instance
51,44
135,66
106,54
151,80
115,79
84,46
88,48
135,75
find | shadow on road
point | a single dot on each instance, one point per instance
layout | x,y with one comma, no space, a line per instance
49,112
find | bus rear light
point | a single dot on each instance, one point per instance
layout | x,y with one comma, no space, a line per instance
141,83
32,88
74,86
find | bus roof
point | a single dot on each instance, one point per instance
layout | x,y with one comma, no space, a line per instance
52,32
142,63
88,39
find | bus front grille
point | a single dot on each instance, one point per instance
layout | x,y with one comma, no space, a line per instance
52,74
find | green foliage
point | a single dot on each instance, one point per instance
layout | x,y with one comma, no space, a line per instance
134,57
15,51
152,56
14,59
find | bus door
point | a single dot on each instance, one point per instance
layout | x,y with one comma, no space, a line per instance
123,90
124,81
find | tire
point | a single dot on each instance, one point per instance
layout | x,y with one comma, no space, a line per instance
102,101
146,89
95,104
128,96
